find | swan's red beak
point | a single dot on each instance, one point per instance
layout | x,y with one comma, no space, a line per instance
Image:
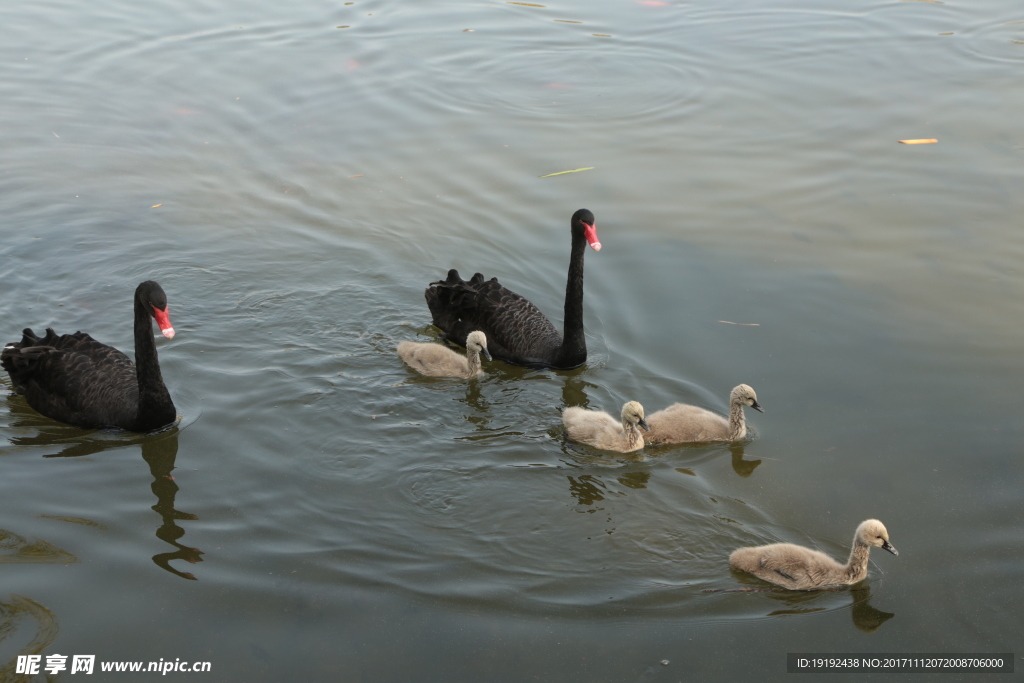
590,232
164,321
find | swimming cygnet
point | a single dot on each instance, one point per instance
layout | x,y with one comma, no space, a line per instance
681,423
599,429
798,568
436,360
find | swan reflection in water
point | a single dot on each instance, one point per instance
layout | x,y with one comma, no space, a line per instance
865,617
742,467
588,489
159,450
159,454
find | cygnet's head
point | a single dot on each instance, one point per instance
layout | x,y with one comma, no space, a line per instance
744,395
872,532
477,341
633,413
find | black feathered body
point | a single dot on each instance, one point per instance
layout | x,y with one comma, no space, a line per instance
517,332
77,380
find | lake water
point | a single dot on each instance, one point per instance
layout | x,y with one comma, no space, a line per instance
295,175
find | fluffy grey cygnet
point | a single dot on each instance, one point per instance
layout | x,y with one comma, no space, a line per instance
599,429
798,568
436,360
682,423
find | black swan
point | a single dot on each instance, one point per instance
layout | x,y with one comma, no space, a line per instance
517,332
77,380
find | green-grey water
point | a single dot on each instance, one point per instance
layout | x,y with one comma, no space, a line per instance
294,176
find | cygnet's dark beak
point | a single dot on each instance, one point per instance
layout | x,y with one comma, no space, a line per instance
890,547
757,406
643,423
487,354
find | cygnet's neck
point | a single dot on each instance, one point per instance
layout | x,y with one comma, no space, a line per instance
473,361
737,424
857,566
632,432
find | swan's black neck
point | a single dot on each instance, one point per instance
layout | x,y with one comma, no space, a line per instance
155,406
574,342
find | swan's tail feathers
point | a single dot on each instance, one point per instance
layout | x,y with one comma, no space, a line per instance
452,279
453,302
28,338
19,358
52,354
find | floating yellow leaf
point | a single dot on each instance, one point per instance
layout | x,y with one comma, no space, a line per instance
575,170
921,141
155,206
526,4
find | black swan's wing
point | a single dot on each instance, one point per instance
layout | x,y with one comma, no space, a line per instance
522,331
517,332
74,379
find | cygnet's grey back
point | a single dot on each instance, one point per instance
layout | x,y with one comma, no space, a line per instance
685,423
436,360
799,568
599,429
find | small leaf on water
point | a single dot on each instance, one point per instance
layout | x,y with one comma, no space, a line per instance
156,206
920,141
526,4
575,170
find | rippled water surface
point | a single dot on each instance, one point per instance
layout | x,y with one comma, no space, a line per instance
294,176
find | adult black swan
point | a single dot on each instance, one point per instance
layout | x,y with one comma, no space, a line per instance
75,379
517,332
